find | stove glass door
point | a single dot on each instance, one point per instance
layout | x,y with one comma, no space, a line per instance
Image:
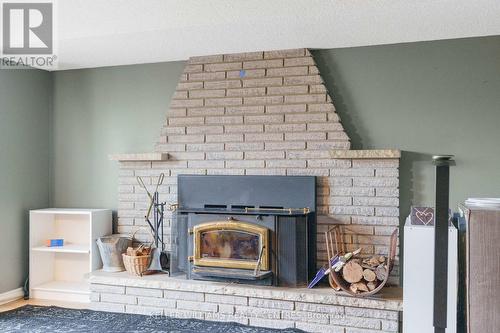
233,244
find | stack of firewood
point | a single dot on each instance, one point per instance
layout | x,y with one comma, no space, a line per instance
366,274
142,250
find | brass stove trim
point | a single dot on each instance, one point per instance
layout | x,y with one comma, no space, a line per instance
305,210
231,263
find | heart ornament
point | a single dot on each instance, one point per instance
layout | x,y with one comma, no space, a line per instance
422,216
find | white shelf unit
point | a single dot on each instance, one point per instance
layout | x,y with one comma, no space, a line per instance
60,273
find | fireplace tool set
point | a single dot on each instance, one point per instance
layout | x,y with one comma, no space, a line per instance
159,258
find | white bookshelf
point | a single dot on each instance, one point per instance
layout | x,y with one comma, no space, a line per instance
60,273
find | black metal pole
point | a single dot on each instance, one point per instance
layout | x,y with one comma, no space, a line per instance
442,163
162,215
155,211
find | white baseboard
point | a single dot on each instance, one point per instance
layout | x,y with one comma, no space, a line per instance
11,296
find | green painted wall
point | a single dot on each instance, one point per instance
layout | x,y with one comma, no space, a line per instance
424,98
102,111
25,97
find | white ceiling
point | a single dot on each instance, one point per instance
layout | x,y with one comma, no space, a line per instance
95,33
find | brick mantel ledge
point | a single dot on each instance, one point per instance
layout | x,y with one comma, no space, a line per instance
139,157
365,154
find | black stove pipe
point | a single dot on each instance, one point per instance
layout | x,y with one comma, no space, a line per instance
443,163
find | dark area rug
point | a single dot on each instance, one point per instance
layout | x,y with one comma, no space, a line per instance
41,319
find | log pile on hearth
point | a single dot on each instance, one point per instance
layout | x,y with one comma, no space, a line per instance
364,275
354,274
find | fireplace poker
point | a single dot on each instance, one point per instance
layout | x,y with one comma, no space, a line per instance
259,261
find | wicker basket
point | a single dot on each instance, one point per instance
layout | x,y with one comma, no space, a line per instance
136,265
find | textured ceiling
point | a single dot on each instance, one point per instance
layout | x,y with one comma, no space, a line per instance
95,33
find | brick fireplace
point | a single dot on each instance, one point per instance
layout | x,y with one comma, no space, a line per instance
267,113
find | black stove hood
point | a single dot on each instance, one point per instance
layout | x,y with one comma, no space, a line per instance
247,195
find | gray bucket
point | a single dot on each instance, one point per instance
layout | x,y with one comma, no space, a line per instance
111,249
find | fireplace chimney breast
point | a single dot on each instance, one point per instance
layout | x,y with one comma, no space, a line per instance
268,113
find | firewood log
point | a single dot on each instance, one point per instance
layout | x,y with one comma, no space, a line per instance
371,285
369,275
366,266
381,272
361,286
381,259
356,260
131,251
373,261
352,272
353,288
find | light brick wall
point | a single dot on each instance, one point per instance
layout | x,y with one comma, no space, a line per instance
347,316
276,119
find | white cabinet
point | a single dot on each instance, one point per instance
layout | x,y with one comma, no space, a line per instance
60,273
418,279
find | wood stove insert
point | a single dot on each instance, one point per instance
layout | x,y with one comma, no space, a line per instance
242,229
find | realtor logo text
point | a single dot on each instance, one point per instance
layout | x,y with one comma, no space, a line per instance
27,34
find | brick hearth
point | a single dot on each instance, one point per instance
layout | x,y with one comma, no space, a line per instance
317,310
